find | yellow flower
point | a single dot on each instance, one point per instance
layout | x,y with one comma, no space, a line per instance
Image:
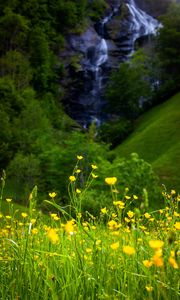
130,214
78,171
151,219
119,204
127,220
79,157
72,178
94,167
24,215
157,259
34,231
8,217
78,191
8,200
113,225
115,191
173,262
114,215
147,215
114,246
53,215
52,235
52,195
176,214
149,288
110,180
135,197
115,233
147,263
173,192
70,227
129,250
88,250
177,225
127,197
156,244
104,210
139,240
98,242
33,221
94,175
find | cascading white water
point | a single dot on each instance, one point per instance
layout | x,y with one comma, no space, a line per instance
96,63
102,53
142,24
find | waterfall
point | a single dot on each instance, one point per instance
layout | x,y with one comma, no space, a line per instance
142,24
103,50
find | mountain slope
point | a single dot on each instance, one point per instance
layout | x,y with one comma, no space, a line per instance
157,140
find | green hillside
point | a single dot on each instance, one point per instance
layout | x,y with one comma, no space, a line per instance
157,140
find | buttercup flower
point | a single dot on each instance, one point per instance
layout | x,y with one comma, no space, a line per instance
52,195
110,180
157,259
94,175
70,227
177,225
147,215
149,288
129,250
119,204
8,200
147,263
130,214
104,210
156,244
79,157
24,215
94,167
52,235
72,178
173,262
114,246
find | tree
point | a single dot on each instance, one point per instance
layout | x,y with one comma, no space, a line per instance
168,49
13,31
129,86
17,67
42,59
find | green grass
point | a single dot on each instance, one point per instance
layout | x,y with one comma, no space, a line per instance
157,140
119,254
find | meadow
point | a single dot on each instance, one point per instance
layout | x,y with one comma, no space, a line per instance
124,252
158,131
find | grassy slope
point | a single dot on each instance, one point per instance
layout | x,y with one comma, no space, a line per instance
157,140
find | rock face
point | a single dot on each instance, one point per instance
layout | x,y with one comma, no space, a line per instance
99,49
154,7
82,42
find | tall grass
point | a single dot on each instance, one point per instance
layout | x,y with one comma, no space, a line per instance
122,253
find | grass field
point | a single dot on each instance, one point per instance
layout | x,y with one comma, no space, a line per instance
157,140
121,253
